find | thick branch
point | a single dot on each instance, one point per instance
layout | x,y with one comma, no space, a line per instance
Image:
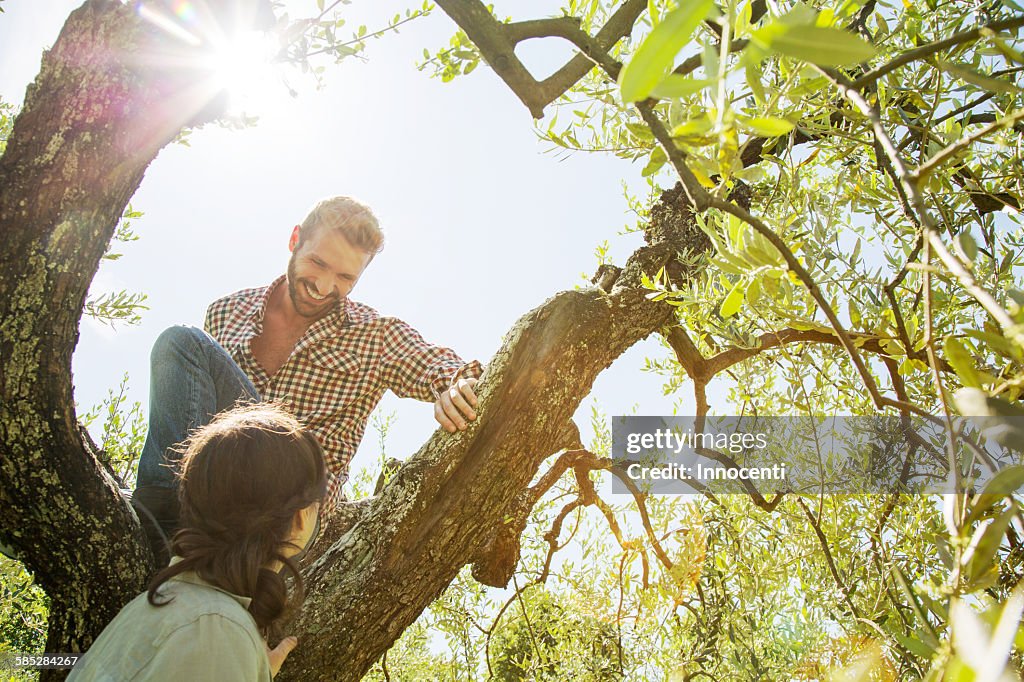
496,42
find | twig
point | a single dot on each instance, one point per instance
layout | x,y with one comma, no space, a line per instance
933,47
952,150
823,541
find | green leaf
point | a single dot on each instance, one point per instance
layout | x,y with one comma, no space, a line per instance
641,131
915,646
675,85
825,45
754,290
696,126
961,362
984,545
968,246
753,76
974,78
656,53
1006,482
657,160
854,311
733,301
766,126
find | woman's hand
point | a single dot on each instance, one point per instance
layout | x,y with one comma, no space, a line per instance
280,652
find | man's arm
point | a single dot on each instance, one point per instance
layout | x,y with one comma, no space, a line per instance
413,368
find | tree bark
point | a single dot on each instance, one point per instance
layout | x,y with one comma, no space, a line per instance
93,120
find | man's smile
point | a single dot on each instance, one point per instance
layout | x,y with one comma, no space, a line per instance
312,293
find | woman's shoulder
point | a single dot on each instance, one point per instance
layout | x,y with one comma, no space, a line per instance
198,597
199,625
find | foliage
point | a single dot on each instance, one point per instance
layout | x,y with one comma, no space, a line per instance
123,305
7,113
24,609
124,433
877,270
309,41
550,640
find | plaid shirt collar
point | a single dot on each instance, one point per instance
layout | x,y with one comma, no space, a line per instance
344,314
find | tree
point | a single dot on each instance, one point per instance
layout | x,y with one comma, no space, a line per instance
760,264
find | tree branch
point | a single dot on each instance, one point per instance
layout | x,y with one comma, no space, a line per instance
496,42
823,541
925,169
866,342
933,48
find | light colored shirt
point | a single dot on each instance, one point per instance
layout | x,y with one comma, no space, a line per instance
339,370
204,634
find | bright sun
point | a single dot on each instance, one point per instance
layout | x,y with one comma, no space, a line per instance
244,66
240,61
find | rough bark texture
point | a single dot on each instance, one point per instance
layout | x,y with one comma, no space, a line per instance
92,122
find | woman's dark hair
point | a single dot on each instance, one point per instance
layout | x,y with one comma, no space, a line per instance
243,477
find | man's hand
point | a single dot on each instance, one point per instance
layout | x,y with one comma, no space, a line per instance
279,653
456,405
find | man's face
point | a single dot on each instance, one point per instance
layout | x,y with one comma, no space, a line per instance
322,271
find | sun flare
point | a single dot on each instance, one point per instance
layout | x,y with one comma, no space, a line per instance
245,67
238,59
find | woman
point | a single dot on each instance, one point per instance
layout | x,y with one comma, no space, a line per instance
251,483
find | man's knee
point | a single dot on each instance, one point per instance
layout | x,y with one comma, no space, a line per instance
175,340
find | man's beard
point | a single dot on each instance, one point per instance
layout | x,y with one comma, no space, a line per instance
300,306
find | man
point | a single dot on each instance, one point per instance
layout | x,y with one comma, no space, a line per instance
302,342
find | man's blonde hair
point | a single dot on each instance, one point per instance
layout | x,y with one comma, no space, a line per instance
353,219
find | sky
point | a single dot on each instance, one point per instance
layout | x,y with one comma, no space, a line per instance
482,222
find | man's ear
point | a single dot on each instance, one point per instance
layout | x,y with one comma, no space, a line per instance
294,239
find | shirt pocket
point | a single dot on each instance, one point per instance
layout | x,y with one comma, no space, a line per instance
335,361
336,379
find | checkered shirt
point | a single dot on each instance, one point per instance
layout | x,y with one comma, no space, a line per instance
339,370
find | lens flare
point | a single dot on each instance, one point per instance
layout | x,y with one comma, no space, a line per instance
244,66
224,51
185,11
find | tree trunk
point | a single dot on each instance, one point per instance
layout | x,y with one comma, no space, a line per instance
92,122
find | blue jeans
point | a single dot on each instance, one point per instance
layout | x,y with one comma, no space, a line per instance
192,378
